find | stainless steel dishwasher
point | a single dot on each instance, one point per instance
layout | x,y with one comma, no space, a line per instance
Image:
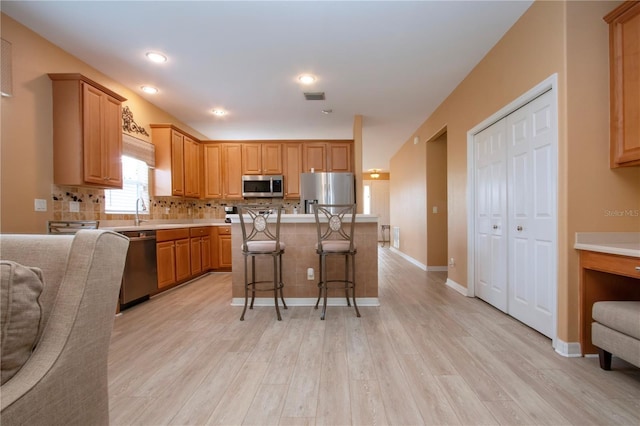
140,278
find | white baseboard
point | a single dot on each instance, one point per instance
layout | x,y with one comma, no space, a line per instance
457,287
307,301
437,268
567,349
409,258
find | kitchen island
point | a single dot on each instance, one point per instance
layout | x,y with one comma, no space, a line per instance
298,232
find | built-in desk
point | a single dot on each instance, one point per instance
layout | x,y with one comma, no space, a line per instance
609,270
298,232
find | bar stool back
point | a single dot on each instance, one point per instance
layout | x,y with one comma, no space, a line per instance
261,237
335,225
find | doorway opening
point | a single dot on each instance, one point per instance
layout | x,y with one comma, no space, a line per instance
437,203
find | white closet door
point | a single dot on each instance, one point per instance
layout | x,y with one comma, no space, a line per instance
531,183
491,210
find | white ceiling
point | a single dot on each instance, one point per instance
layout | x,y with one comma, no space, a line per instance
392,62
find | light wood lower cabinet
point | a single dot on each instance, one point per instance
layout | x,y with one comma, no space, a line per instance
200,250
172,256
183,259
183,254
222,247
166,263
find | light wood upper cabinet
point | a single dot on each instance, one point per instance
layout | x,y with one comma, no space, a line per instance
314,156
232,171
177,164
87,132
212,171
327,157
191,168
624,59
178,158
261,159
292,153
339,157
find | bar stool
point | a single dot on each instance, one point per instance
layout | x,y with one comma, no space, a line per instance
335,224
261,238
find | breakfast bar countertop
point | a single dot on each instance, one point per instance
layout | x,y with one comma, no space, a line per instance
154,226
620,243
310,218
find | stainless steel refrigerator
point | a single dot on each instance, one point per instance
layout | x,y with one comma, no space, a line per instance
326,188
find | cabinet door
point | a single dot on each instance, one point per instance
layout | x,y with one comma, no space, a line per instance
166,263
624,50
339,157
314,156
112,139
212,171
271,158
232,171
205,248
191,168
196,256
251,159
183,259
102,135
177,163
92,135
224,251
292,169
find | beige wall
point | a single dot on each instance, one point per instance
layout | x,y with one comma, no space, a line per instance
26,155
593,189
408,192
570,39
437,197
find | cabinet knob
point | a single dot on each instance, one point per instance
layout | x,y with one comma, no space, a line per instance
637,268
495,226
519,228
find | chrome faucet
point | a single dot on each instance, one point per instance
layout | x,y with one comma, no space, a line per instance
137,220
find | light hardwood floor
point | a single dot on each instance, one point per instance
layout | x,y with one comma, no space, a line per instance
427,355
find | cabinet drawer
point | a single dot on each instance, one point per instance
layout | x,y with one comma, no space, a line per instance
172,234
199,232
611,263
224,230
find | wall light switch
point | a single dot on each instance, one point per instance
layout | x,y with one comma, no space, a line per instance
435,209
40,205
74,206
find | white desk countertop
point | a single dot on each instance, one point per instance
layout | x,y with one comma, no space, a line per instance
620,243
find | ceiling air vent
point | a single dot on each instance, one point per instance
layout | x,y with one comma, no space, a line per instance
314,96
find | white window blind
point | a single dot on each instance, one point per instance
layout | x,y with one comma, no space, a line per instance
135,185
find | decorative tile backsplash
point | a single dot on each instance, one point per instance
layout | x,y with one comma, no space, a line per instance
91,206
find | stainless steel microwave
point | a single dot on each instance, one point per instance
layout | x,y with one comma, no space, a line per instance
254,186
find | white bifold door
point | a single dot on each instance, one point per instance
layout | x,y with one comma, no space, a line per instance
515,196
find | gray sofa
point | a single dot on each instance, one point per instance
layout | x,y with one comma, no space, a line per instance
616,331
63,379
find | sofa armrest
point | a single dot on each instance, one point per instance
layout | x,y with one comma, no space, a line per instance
65,379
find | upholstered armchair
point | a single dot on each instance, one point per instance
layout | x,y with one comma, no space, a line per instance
63,379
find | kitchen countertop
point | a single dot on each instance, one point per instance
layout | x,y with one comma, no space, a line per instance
309,218
154,226
620,243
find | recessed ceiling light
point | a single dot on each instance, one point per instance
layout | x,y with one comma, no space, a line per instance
149,89
156,57
307,79
219,112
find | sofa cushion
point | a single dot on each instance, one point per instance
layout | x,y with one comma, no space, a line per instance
623,316
20,315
